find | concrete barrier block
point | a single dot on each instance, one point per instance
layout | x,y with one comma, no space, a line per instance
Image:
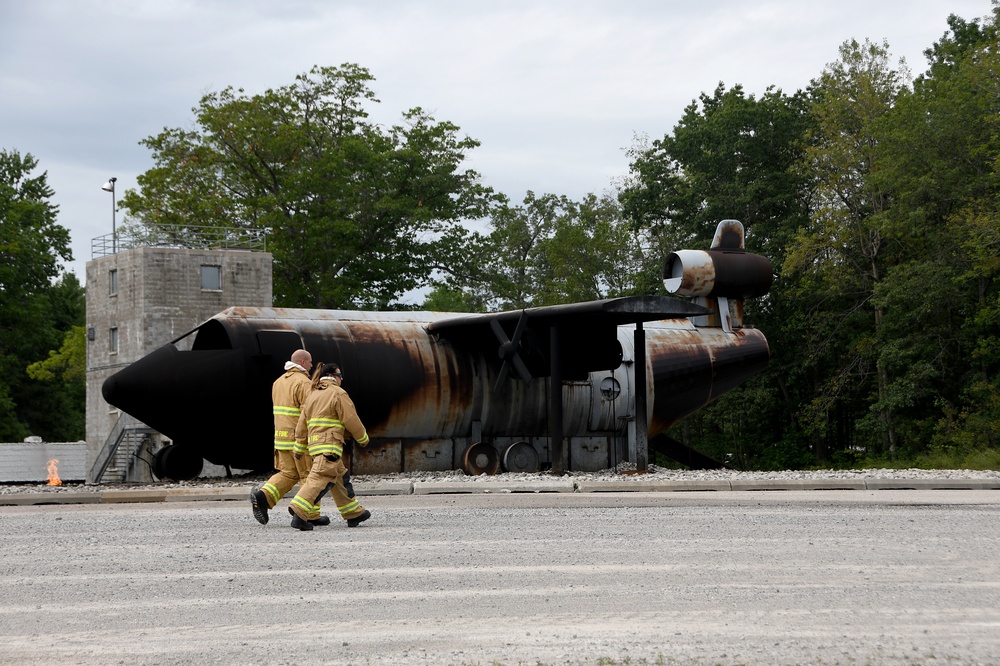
430,487
384,488
124,496
650,486
29,499
199,494
798,484
931,484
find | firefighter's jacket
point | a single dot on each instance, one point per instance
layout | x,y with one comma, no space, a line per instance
288,393
327,415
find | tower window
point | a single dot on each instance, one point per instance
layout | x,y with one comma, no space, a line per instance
113,340
113,282
211,278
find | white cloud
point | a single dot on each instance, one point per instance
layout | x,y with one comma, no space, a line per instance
555,89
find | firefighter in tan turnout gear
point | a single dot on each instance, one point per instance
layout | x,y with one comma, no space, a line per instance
288,393
327,416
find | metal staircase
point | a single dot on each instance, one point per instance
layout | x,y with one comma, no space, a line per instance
116,461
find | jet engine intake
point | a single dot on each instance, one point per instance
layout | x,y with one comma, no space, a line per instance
725,273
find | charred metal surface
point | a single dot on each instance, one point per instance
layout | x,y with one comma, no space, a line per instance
724,271
745,355
588,454
520,457
402,382
692,366
741,274
379,457
480,458
588,331
440,391
413,390
728,235
171,389
432,455
731,274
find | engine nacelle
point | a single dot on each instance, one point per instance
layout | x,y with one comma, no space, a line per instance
728,273
713,277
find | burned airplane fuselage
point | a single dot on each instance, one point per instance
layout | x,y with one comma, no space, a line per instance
430,385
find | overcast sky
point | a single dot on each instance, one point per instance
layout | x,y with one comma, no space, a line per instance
556,90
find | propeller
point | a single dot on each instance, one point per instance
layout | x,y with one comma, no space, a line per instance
508,351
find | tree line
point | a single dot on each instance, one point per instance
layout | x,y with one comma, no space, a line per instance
872,192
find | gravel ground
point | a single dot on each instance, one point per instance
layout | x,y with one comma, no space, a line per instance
824,578
623,473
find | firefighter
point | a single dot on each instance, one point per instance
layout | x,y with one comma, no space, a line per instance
288,393
328,414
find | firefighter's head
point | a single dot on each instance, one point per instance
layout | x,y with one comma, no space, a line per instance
303,358
329,372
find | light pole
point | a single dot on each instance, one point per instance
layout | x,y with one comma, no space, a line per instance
110,187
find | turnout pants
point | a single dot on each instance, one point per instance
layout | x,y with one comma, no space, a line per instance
290,471
328,475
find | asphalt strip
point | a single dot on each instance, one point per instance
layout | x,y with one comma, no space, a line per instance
47,495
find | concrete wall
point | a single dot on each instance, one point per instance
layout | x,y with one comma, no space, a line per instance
158,297
29,462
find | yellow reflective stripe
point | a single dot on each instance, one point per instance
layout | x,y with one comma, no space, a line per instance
304,505
350,507
271,490
320,422
326,447
284,446
281,410
363,439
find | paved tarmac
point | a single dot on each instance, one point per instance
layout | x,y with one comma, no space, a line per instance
507,578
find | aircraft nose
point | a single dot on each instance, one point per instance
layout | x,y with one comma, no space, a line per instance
142,383
177,392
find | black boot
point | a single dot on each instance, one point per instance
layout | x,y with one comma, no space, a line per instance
354,522
298,523
258,500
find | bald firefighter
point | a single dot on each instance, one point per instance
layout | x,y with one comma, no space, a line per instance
328,415
288,393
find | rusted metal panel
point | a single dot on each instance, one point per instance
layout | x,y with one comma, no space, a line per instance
520,457
689,273
429,455
417,391
690,370
577,403
588,454
728,236
379,457
717,273
480,458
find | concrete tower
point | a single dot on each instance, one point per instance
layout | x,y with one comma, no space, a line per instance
142,294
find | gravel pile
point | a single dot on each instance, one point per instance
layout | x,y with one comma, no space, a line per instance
622,473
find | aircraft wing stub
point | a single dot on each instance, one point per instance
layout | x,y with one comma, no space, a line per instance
608,312
588,334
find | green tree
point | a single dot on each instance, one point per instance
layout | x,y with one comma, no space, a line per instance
592,253
358,213
35,312
443,298
729,157
551,250
845,251
513,253
940,157
68,364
